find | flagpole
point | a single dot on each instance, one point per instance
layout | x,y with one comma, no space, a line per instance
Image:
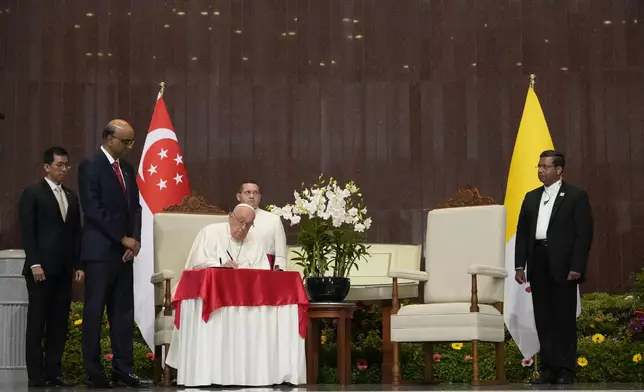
535,362
161,89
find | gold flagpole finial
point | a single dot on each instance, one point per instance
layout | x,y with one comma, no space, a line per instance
162,88
533,77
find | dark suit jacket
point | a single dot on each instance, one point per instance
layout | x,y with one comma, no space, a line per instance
108,214
570,231
47,239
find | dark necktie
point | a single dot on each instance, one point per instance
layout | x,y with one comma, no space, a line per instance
115,166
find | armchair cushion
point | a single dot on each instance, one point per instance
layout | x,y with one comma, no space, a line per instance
487,270
447,322
445,308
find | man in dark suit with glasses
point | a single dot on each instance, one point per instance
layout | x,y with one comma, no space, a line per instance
50,224
553,240
111,238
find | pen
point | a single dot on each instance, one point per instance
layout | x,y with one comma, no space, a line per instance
230,256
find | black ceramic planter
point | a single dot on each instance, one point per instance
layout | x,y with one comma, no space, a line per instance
327,288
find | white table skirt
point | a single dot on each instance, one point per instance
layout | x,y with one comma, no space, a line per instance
245,346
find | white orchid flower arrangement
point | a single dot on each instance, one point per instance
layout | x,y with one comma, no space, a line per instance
332,221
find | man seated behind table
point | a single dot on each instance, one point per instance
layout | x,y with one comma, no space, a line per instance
268,226
228,244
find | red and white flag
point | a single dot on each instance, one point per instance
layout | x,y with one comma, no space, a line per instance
162,181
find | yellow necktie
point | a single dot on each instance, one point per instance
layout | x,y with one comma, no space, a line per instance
61,202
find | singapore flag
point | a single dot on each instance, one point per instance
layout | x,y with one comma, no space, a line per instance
162,181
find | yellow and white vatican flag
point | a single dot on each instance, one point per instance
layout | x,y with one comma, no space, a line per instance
532,139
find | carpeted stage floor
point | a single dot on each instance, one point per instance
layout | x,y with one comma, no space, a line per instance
363,387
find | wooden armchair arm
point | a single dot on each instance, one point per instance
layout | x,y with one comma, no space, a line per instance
420,276
165,277
486,270
474,306
493,272
395,304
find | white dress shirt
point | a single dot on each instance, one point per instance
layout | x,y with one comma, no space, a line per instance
545,209
112,160
56,188
268,227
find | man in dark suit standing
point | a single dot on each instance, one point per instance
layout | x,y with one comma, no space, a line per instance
554,236
111,238
50,223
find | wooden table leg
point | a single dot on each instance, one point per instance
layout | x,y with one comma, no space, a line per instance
387,347
342,349
348,363
312,351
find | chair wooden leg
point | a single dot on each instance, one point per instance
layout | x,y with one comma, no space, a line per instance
158,366
428,349
475,362
386,345
166,368
395,377
500,362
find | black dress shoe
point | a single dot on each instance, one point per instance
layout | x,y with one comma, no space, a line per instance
59,382
563,380
98,382
546,377
543,380
37,382
130,380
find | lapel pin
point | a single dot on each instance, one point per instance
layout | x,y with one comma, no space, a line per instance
562,194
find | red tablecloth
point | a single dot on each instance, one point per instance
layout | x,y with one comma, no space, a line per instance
219,287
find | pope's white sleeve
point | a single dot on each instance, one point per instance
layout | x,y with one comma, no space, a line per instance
202,254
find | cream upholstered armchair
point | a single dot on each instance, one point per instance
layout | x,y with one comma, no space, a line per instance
175,229
463,294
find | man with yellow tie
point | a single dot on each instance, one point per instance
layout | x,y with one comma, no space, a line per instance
50,225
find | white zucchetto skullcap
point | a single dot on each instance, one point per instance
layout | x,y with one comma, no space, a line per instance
243,205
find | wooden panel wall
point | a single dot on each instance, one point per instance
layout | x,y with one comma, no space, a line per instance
411,98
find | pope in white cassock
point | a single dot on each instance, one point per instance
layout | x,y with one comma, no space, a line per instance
268,226
238,345
229,244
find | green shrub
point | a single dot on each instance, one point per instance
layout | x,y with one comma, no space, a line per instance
638,286
610,358
609,347
606,314
73,366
